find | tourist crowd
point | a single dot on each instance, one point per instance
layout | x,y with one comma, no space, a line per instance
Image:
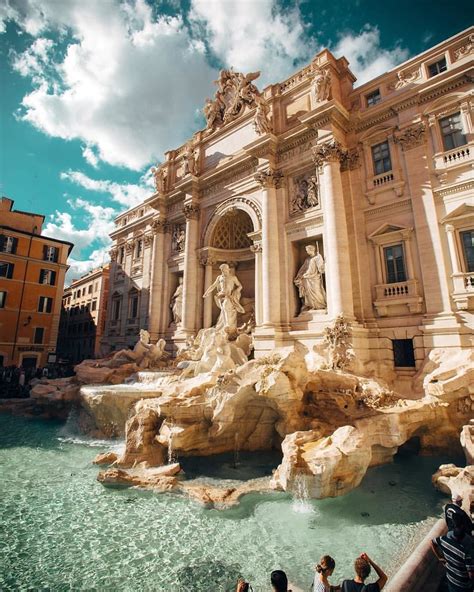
15,380
455,549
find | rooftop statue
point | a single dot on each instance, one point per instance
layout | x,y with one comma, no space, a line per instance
234,92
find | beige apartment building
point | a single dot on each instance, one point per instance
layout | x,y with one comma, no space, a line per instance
83,316
323,199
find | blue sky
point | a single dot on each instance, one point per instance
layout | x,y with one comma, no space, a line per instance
94,91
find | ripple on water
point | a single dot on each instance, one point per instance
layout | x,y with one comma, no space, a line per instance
64,531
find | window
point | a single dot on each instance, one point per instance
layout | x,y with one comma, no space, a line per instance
403,353
452,132
47,276
437,67
45,304
116,309
467,240
3,299
373,98
39,335
121,254
6,269
96,286
133,306
94,305
138,249
8,244
395,264
84,291
50,253
381,158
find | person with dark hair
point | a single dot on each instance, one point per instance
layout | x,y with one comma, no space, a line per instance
324,569
456,508
455,550
279,581
362,567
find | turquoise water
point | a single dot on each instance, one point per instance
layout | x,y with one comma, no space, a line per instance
61,530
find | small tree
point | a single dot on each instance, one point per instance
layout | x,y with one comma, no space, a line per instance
337,339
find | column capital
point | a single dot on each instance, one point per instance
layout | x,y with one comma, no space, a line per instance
256,247
350,160
159,225
449,228
207,260
330,151
113,254
269,178
191,211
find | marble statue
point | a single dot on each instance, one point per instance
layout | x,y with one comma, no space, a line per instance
190,160
179,238
160,176
227,297
146,355
312,198
321,86
261,122
176,303
309,281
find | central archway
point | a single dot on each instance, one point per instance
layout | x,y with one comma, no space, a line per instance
231,237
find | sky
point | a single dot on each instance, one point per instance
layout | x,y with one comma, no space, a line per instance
93,92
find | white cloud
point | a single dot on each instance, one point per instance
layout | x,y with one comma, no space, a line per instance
253,35
126,194
100,223
90,156
128,85
367,58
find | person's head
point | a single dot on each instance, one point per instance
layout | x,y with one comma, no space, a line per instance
310,249
326,565
457,499
224,268
362,568
279,581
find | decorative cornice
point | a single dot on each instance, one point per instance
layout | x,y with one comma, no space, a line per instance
445,191
411,136
191,211
269,178
387,207
330,151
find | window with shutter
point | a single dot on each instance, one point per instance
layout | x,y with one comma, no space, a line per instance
6,269
39,335
3,299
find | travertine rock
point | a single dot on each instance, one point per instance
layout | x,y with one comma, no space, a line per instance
105,458
453,480
467,442
138,478
141,444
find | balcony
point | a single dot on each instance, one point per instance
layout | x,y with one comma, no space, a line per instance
398,298
463,294
454,159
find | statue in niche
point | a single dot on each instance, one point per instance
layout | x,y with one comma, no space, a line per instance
309,281
179,238
321,85
261,122
227,298
176,303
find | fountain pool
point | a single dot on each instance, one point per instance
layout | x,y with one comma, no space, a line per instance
62,530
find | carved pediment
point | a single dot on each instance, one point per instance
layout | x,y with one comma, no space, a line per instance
463,211
388,229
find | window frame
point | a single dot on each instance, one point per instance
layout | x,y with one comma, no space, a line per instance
10,270
386,269
373,148
435,63
465,261
47,303
410,354
375,94
35,341
3,299
457,133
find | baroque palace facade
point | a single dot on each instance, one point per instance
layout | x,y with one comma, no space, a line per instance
323,200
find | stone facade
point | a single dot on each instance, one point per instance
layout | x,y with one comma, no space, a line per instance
377,179
83,316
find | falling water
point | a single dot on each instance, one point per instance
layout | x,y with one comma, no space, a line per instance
172,456
236,450
301,502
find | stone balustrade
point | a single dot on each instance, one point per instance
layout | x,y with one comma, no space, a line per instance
397,294
463,294
383,179
454,158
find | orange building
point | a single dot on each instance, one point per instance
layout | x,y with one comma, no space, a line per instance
32,271
83,316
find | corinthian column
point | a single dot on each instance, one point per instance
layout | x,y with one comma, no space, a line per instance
157,278
190,279
328,157
269,181
208,263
